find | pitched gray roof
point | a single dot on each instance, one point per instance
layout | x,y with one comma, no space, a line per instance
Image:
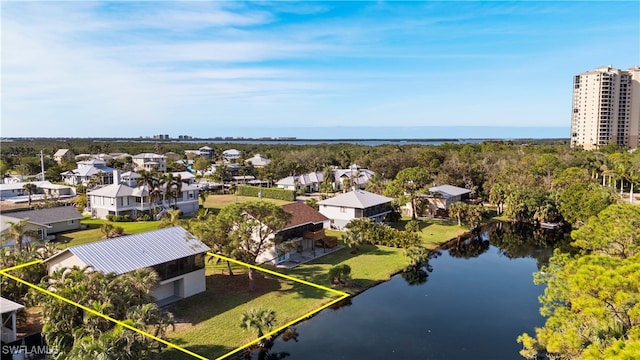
127,253
303,180
149,156
47,216
358,199
449,190
114,191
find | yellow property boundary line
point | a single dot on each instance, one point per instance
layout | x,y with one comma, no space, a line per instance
343,295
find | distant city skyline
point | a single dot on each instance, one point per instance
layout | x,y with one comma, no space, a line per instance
206,69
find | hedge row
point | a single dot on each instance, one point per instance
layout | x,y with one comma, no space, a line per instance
271,193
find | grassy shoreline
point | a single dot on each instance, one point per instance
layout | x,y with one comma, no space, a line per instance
221,307
208,323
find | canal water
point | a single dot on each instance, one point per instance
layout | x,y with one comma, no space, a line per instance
471,302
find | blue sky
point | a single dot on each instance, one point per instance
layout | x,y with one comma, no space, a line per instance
205,69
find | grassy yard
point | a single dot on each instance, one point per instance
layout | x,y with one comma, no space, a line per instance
217,202
209,323
93,233
434,232
370,265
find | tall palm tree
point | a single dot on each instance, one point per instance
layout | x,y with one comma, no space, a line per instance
31,189
147,181
176,187
18,232
258,319
458,210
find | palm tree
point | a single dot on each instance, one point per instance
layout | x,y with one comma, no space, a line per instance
171,218
258,319
175,186
376,185
30,188
147,181
18,232
458,210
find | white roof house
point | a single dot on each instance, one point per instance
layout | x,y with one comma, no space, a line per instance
122,199
150,162
440,197
448,191
310,182
173,253
355,204
62,154
8,309
258,161
354,174
86,170
14,192
185,176
231,154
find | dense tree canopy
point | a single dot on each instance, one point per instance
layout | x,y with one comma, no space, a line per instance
592,301
77,334
615,232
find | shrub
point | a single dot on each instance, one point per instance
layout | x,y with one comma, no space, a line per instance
143,217
271,193
340,275
119,218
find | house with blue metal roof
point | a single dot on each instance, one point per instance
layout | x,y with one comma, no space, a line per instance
175,254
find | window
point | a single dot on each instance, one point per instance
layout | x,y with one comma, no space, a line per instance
71,222
342,209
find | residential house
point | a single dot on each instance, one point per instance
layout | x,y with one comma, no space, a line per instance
176,255
231,154
185,176
353,177
39,229
258,161
150,162
299,239
308,182
13,178
15,192
206,151
124,199
353,205
8,310
447,195
437,201
48,221
63,155
243,179
86,170
129,178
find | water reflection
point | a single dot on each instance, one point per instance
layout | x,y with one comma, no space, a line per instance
478,288
470,246
263,351
418,274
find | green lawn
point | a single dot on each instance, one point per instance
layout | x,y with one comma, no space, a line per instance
434,232
209,323
93,233
217,202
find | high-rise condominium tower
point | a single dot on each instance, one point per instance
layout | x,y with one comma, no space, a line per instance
606,108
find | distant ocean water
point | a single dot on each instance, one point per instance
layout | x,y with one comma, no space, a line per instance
391,132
